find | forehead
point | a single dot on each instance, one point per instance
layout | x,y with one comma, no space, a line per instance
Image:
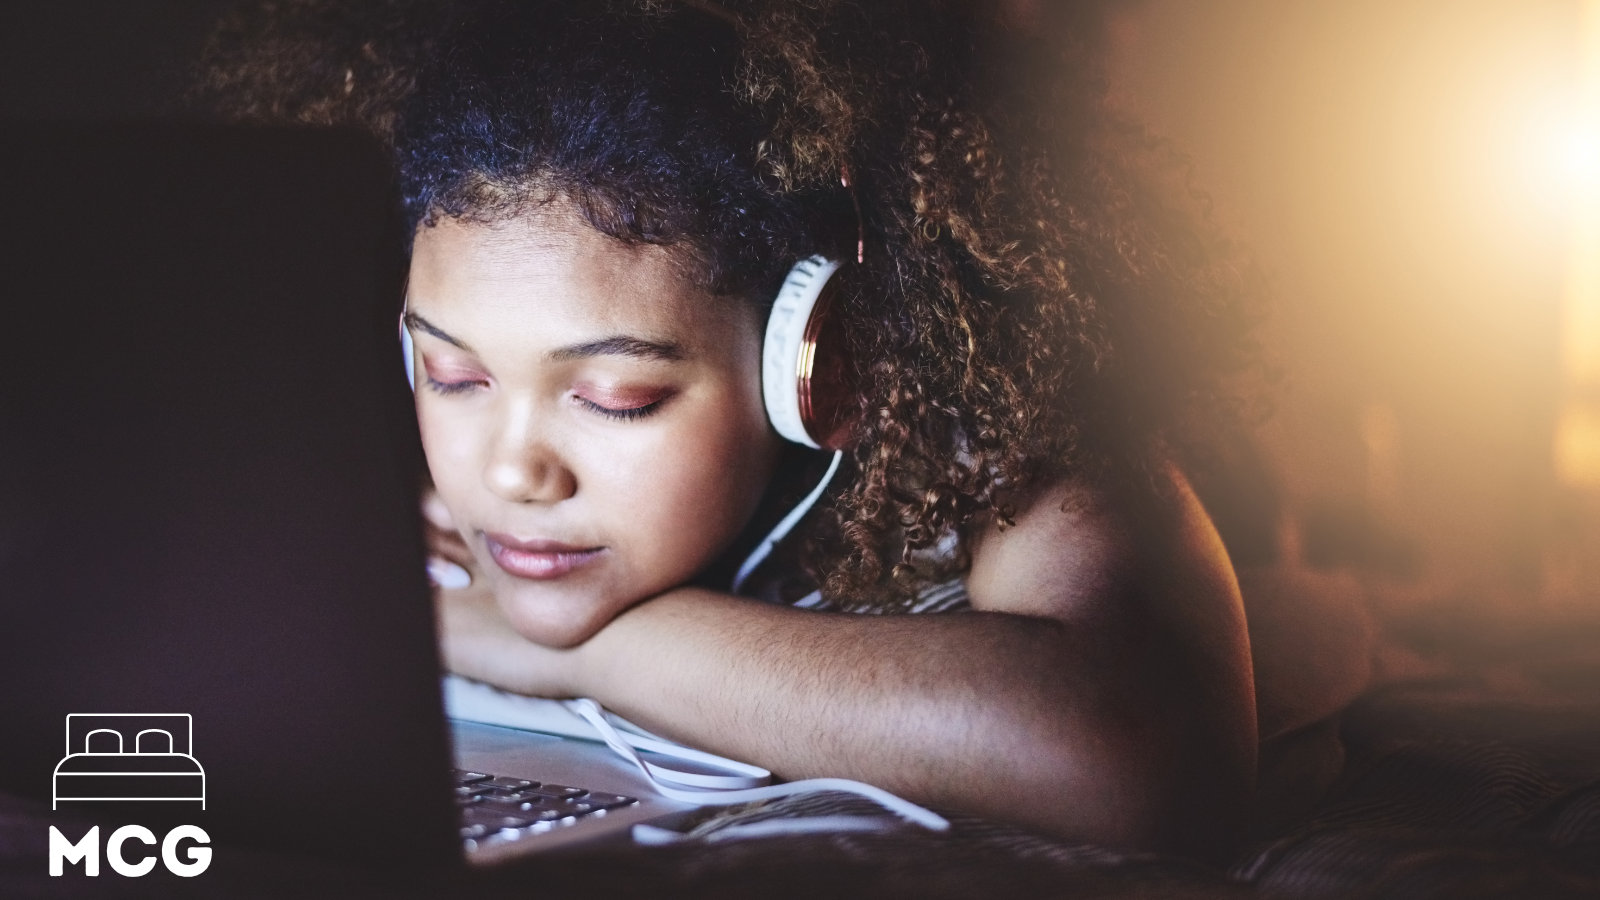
550,268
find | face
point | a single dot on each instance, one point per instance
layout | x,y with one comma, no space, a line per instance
593,420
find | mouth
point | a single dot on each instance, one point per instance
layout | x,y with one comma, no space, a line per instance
538,559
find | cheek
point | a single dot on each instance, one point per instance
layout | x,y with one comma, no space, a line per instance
450,447
698,485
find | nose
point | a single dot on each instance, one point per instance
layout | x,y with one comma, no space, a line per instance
524,466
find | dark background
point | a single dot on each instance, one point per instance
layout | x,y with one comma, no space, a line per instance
99,59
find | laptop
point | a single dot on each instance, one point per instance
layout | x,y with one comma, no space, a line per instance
211,562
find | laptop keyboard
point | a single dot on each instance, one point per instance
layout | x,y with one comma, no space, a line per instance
495,806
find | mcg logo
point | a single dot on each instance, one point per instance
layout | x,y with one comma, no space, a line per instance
100,766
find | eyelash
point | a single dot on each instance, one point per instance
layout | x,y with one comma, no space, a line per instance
625,415
447,388
451,387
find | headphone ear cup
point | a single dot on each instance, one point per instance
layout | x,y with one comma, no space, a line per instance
409,351
805,369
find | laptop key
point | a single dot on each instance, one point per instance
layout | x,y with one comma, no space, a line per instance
494,820
564,809
500,805
538,813
559,791
542,807
509,798
602,800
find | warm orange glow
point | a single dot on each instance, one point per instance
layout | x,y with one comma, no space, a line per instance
1577,444
1579,154
1420,178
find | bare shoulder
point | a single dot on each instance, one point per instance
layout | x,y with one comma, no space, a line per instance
1142,569
1077,552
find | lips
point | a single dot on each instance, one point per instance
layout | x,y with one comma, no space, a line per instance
538,559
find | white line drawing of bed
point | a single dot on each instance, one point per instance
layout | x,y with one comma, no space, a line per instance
99,767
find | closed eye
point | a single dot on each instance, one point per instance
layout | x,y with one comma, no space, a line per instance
451,377
626,414
451,387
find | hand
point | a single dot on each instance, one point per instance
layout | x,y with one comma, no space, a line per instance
474,637
475,640
450,563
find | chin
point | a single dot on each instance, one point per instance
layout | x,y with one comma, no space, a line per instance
556,622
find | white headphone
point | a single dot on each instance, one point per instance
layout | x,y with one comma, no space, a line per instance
789,353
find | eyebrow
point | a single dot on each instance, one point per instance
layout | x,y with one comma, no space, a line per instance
415,321
620,345
617,345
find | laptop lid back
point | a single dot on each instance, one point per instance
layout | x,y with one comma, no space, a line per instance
207,471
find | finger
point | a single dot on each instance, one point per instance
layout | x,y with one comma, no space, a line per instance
434,510
449,546
446,574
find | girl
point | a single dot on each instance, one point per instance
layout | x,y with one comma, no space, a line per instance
606,197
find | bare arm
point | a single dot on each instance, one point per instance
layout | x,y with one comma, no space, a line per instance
1100,691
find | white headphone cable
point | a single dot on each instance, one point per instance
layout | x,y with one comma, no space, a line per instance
786,525
592,712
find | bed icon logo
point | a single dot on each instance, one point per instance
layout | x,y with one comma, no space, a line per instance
129,757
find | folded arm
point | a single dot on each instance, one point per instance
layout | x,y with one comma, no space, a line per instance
1100,690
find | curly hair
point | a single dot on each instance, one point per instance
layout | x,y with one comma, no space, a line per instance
1042,298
